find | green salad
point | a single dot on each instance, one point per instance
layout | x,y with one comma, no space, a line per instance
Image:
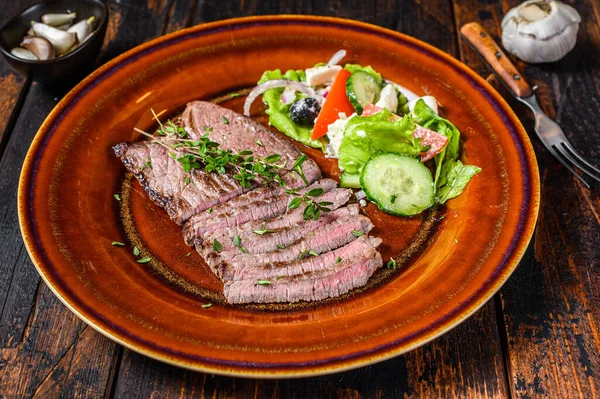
389,142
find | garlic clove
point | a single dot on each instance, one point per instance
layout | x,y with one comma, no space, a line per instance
41,47
82,28
63,27
56,19
23,53
61,40
537,31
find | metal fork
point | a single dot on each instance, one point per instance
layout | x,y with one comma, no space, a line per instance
547,130
557,143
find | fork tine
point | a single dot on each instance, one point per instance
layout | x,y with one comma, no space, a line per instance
590,171
558,154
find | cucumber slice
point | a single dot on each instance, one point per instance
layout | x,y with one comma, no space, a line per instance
362,89
350,180
398,184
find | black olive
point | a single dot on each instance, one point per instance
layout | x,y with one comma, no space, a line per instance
304,111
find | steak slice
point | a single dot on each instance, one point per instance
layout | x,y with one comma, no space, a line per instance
315,279
266,246
242,133
329,238
284,235
257,205
164,180
183,195
338,197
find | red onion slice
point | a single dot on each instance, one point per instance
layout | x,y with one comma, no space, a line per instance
277,83
336,58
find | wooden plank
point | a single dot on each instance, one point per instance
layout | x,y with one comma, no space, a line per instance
12,83
59,356
18,279
467,362
551,305
45,350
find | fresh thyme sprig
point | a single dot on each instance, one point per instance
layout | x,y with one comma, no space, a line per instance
313,208
205,154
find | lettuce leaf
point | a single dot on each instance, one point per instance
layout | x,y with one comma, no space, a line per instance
454,178
451,176
279,113
365,136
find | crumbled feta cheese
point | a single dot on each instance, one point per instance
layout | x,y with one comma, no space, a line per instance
335,134
429,100
362,202
388,98
321,75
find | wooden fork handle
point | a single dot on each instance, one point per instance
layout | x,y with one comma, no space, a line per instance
474,34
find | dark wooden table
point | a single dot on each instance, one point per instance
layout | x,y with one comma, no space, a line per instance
538,337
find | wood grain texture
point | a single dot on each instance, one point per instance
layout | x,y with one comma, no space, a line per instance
482,43
13,85
45,350
551,303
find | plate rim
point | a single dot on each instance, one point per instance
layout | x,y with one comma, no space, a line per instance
380,354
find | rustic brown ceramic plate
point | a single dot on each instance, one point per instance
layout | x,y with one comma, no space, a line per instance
451,265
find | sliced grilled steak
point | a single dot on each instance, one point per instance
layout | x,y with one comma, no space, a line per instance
241,133
224,262
163,178
284,235
329,238
257,205
165,181
315,280
338,198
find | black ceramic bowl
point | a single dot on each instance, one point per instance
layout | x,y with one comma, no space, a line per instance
74,63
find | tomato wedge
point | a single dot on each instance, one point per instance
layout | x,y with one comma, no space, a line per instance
430,138
371,109
336,102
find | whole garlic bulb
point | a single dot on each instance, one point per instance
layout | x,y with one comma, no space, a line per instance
539,31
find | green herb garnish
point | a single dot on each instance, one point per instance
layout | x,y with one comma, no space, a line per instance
206,305
188,254
263,231
217,246
238,243
209,210
117,197
187,180
205,154
224,120
313,208
338,260
117,244
145,259
357,233
392,265
280,246
136,251
312,253
264,282
234,95
259,143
